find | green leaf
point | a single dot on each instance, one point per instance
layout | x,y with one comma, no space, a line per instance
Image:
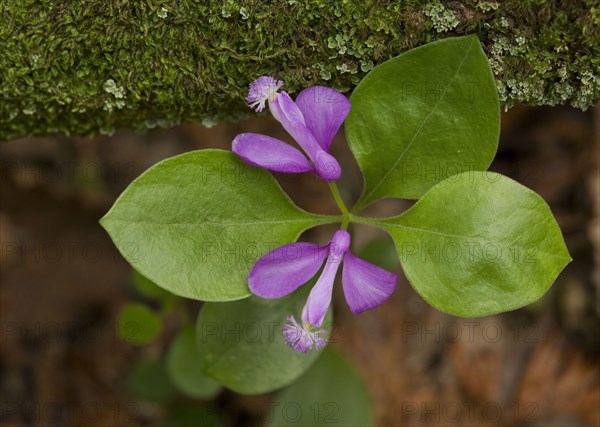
194,224
427,114
184,369
330,393
479,243
138,324
149,381
241,343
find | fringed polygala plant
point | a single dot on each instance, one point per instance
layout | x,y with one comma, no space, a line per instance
215,226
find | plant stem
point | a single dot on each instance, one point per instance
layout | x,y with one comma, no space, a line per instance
340,203
365,220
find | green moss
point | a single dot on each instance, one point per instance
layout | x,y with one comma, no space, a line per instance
87,67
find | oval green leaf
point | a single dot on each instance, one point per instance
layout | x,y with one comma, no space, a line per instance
330,393
138,324
185,370
149,382
194,224
427,114
241,343
479,243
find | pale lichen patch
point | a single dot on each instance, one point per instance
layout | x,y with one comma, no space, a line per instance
118,92
442,19
111,87
163,13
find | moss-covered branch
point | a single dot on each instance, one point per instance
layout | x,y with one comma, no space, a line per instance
89,66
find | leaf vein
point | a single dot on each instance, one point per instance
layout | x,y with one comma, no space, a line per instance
289,221
478,238
399,159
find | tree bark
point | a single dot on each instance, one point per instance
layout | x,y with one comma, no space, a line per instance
90,66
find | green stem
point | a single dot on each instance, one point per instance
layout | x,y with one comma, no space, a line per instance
338,198
335,192
345,223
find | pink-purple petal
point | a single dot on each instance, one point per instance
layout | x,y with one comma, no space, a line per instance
284,269
289,115
291,118
327,166
270,153
324,110
340,243
365,285
319,298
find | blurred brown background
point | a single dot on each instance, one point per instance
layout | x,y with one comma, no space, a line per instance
63,284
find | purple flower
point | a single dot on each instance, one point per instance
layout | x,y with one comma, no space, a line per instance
313,120
286,268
